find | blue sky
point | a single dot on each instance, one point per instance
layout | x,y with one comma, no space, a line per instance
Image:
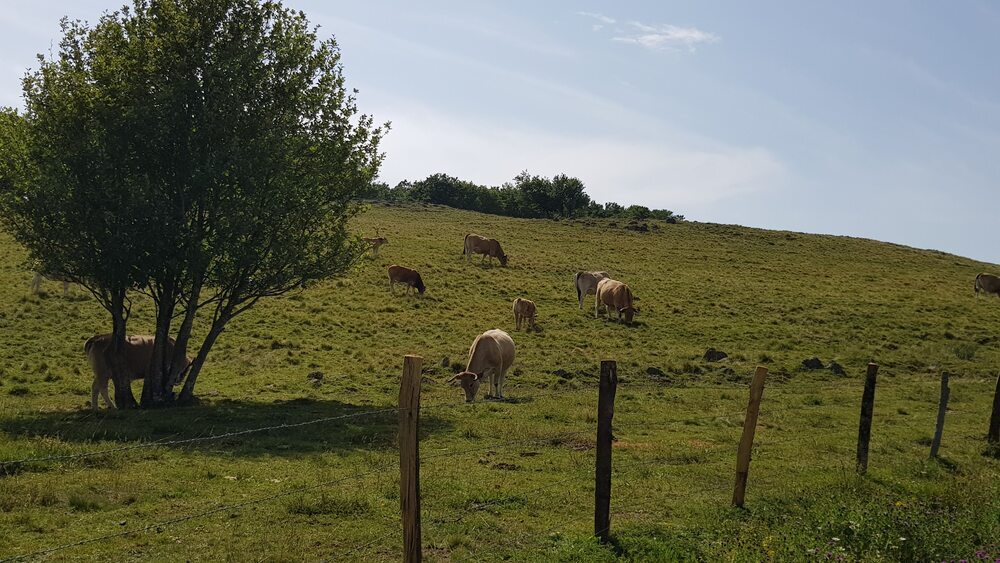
878,120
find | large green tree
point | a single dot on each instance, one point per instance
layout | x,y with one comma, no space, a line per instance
204,152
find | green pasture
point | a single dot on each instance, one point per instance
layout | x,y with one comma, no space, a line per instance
514,480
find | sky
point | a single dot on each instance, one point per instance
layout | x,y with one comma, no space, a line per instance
869,119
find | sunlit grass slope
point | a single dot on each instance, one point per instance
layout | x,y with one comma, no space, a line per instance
513,480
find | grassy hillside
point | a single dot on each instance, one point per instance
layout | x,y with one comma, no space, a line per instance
514,479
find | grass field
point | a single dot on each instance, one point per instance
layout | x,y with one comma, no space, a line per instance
514,480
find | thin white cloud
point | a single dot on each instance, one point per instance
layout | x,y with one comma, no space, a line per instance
666,36
654,172
599,17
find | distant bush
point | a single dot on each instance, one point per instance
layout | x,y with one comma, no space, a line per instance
526,196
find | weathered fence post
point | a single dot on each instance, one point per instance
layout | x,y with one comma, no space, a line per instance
865,426
409,457
993,437
942,408
605,412
746,442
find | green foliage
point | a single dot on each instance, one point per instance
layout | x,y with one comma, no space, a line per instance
527,196
204,152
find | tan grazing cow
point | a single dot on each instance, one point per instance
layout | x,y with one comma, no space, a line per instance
36,283
406,276
987,283
488,247
490,356
612,293
138,351
375,243
524,311
586,283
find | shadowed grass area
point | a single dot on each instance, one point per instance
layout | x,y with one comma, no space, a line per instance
514,480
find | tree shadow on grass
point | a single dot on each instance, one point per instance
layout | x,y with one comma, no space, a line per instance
61,433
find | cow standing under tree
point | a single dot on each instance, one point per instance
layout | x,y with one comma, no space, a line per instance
374,244
36,282
987,283
136,355
488,247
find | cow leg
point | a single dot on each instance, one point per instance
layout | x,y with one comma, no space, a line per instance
95,389
500,379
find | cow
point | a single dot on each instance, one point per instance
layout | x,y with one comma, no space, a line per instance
524,310
404,275
375,243
36,283
137,352
586,283
489,248
612,293
490,356
987,283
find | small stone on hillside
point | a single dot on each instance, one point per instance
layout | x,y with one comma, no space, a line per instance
836,368
315,376
713,355
655,371
812,363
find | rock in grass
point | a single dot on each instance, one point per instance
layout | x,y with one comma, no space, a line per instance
713,355
655,371
836,368
812,363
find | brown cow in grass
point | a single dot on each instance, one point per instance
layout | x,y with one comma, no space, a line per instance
490,356
612,293
987,283
406,276
489,248
586,283
137,352
524,312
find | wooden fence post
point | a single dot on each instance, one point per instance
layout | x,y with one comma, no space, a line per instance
746,442
942,408
993,437
605,412
865,426
409,457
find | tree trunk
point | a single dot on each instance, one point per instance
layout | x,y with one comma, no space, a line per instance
187,393
155,391
124,399
184,336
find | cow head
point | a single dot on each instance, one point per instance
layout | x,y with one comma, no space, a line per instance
420,286
470,384
503,259
183,373
629,313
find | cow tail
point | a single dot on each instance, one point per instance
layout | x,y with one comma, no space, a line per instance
576,282
89,344
465,244
975,285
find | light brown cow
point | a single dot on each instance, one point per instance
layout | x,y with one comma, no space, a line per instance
490,356
137,352
987,283
36,283
489,248
375,243
524,311
586,283
410,278
612,293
